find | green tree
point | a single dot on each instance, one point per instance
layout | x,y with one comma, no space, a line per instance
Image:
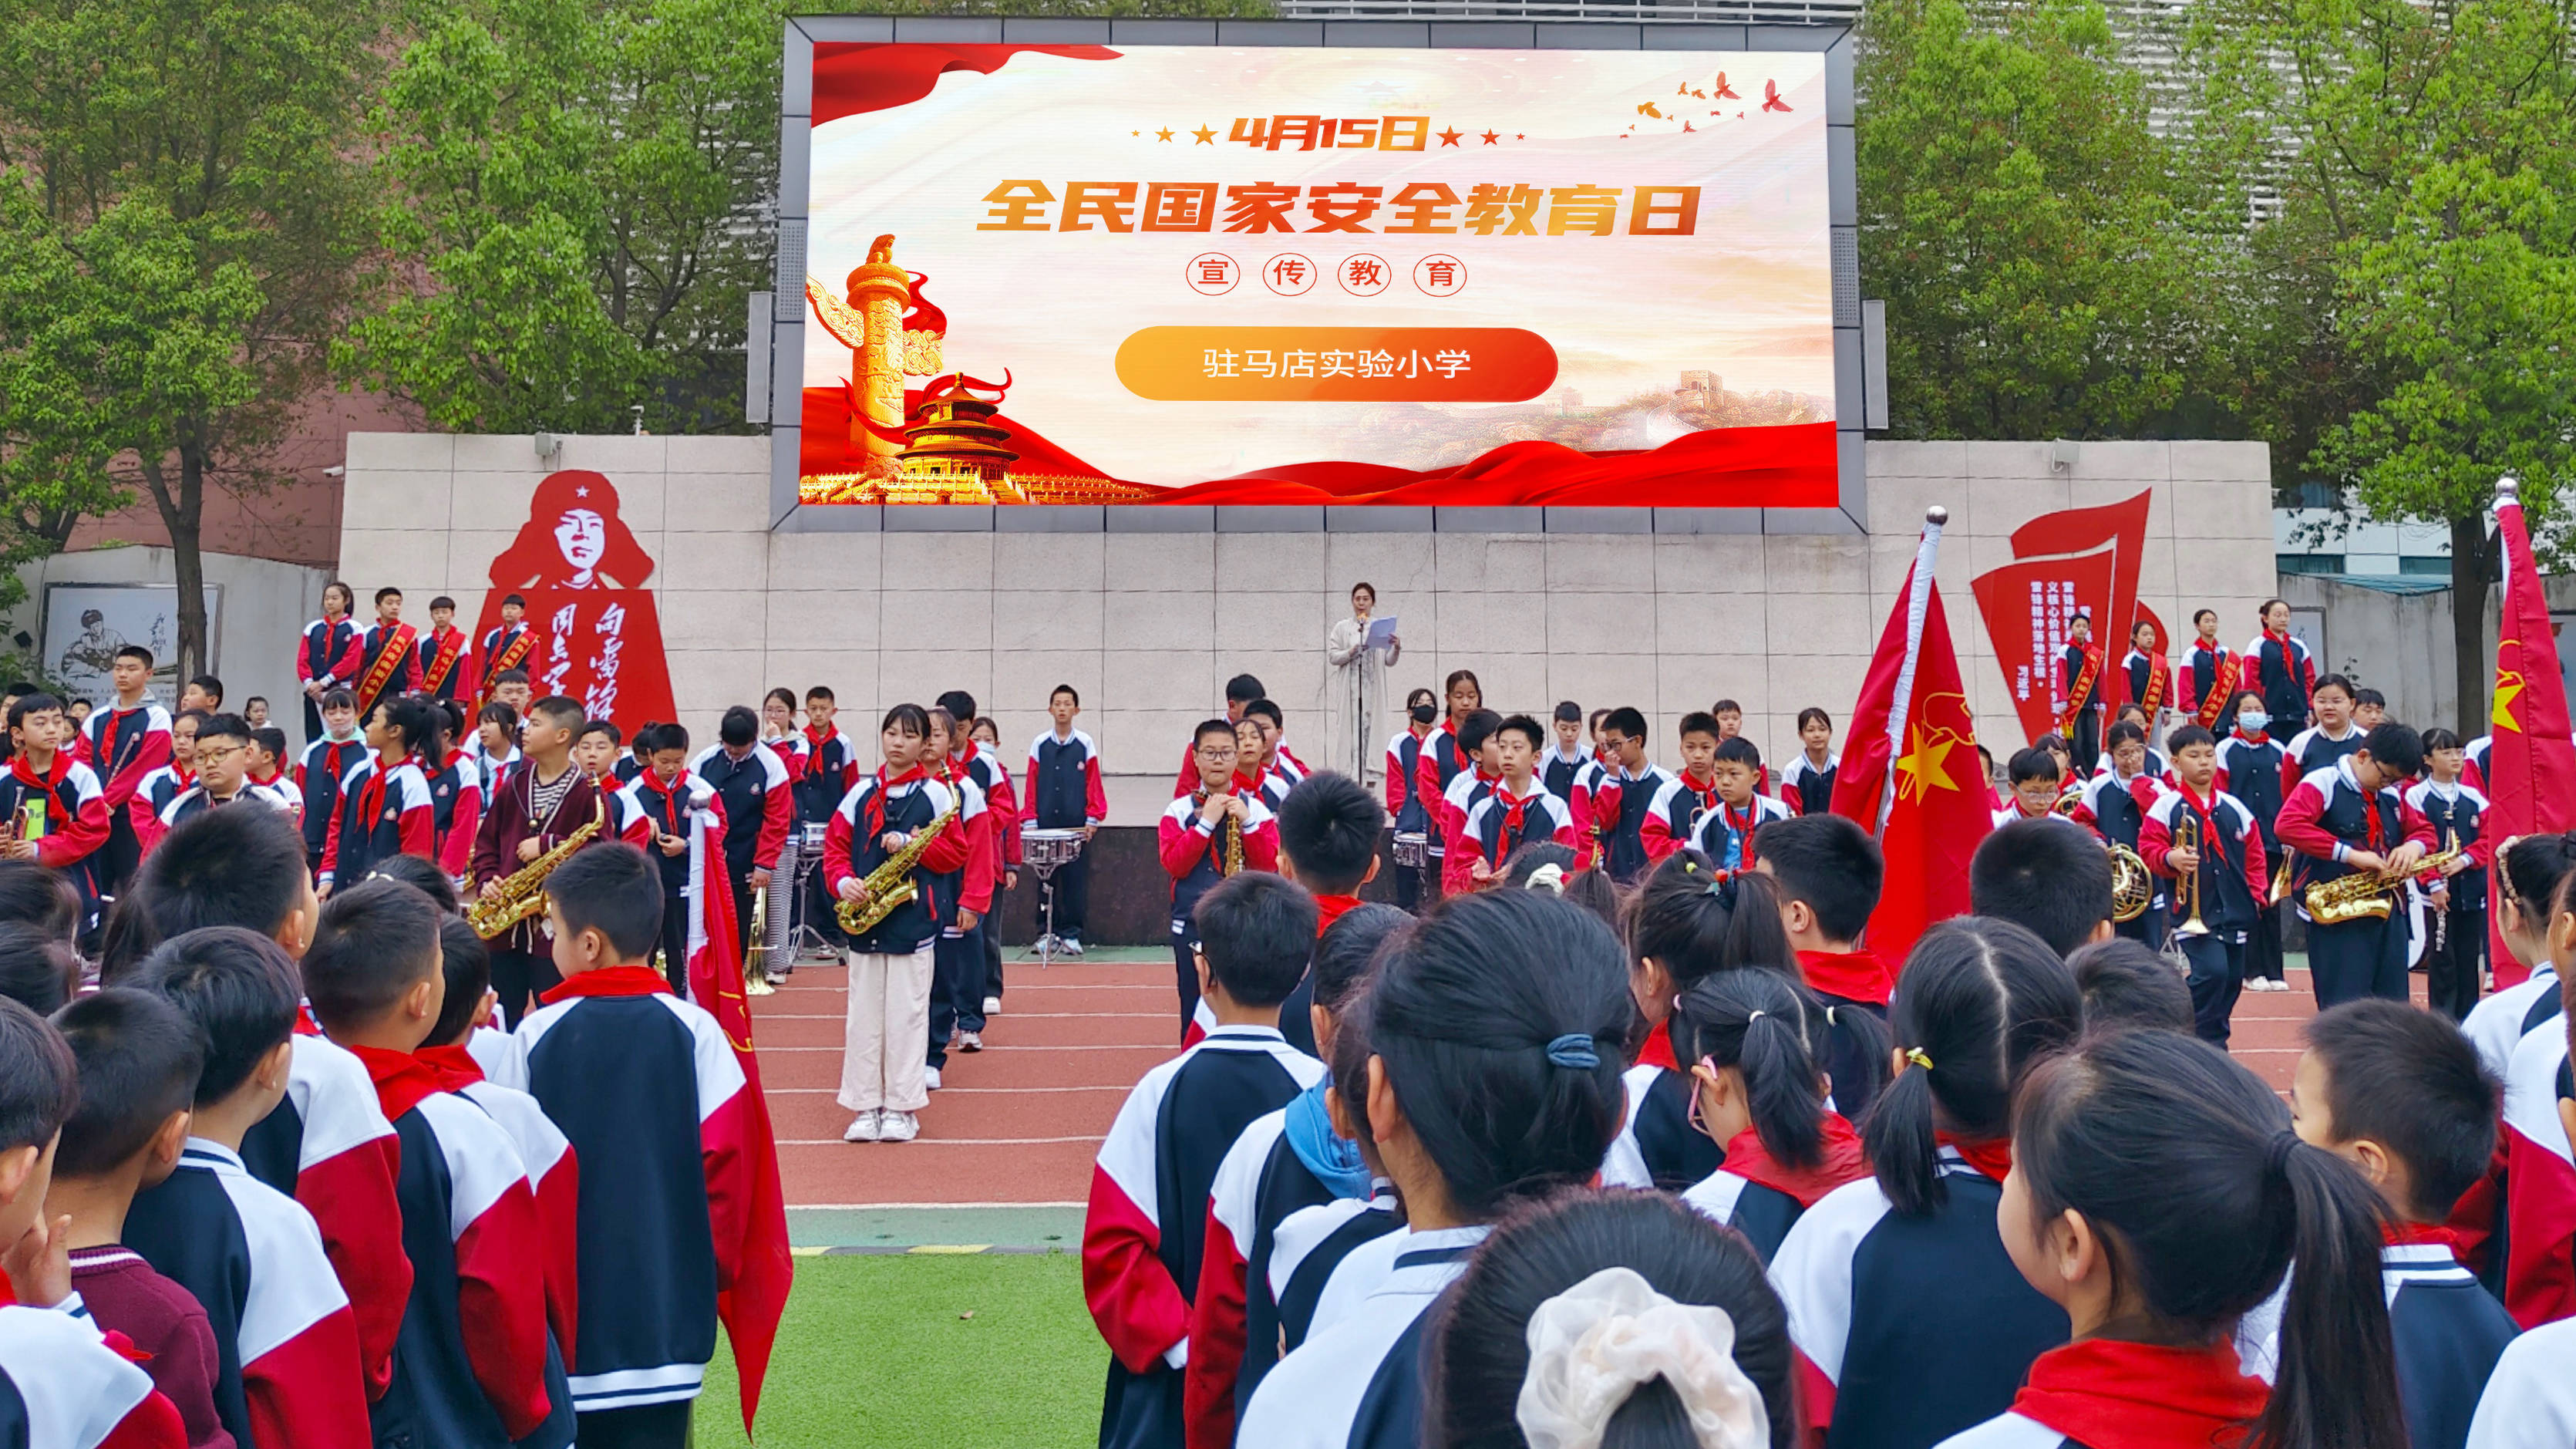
2030,233
177,175
2432,152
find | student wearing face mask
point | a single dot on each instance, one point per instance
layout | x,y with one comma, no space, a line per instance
2249,768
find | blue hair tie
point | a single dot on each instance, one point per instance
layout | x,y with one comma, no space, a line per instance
1573,1049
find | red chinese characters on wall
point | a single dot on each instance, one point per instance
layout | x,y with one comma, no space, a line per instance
2082,558
582,571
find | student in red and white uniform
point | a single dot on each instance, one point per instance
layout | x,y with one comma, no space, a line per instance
2527,876
2224,864
1443,759
1807,781
1730,725
2278,667
470,1364
533,808
2036,786
1476,744
2146,679
1487,1132
1829,872
1629,783
1672,817
326,658
1566,756
2347,818
327,1146
1196,840
980,976
388,655
2536,1259
455,796
2144,1150
778,733
2331,738
446,664
2473,768
1406,805
759,805
291,1367
222,750
1142,1233
2249,768
654,1100
385,805
554,1170
1887,1354
1756,1045
2531,1398
143,812
2208,676
267,769
42,776
1725,834
893,963
2114,806
675,818
2455,898
970,888
60,1384
1518,809
326,761
1065,793
123,745
1240,692
512,646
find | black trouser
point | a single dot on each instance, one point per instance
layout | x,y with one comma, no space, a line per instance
2084,746
2452,971
1068,886
2357,959
675,942
646,1426
2148,929
1408,887
1185,969
820,908
520,976
989,932
2217,978
111,869
312,719
2263,941
956,988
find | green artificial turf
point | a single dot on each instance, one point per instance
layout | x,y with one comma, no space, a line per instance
878,1350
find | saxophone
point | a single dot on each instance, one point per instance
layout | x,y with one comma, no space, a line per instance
890,885
523,895
2365,896
1232,863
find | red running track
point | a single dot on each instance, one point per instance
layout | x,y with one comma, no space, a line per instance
1020,1122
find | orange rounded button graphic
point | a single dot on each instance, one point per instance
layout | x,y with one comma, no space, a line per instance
1336,364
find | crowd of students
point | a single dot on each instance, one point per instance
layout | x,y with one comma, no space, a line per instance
1562,1162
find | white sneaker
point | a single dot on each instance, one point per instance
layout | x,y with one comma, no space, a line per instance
929,1082
1070,946
899,1127
992,1006
865,1127
970,1041
1047,945
777,977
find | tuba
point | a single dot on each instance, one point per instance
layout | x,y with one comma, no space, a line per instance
890,885
523,891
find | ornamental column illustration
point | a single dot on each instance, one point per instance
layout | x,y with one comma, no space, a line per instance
880,291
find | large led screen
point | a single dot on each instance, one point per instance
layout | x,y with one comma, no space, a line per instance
1249,275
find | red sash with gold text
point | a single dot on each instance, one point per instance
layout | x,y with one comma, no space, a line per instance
513,655
380,670
450,645
2221,690
2082,691
2157,673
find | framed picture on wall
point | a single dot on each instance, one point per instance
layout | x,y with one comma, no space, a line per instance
85,624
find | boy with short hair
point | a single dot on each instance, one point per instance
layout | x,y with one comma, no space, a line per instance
138,1060
290,1368
443,670
327,1146
326,762
1566,753
1240,692
2033,775
509,649
55,810
388,655
654,1101
2218,877
470,1364
266,762
222,752
67,1387
676,819
1629,784
2348,819
2369,709
1672,817
532,810
2050,877
1725,834
2456,961
1829,872
513,688
1730,725
2128,987
2399,1094
1517,810
1206,837
1065,793
1142,1231
1481,757
123,746
204,694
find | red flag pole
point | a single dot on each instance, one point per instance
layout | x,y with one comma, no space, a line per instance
1918,602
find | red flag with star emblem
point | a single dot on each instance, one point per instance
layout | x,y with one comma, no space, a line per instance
1909,771
2531,763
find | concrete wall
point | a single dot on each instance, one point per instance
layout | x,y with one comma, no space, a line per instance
1149,625
2400,644
265,605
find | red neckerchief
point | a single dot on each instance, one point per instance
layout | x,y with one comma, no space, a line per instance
1842,1161
610,981
1658,1050
1993,1158
2257,738
26,773
2208,827
187,778
1707,798
1329,909
2397,1234
815,745
2082,689
2369,803
1743,830
401,1079
2107,1394
274,776
1515,808
1861,975
305,1025
371,795
454,1065
878,799
451,647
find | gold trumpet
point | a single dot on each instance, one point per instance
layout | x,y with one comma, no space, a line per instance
755,961
2365,896
2187,837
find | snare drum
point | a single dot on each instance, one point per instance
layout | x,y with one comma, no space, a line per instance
1047,849
811,833
1412,847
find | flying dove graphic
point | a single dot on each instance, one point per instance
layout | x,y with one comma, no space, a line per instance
1771,97
1724,92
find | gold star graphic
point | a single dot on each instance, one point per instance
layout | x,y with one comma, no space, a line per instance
1164,134
1923,766
1450,136
1492,138
1206,135
2508,688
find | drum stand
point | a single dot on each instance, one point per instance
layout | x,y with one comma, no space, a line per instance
1045,865
805,937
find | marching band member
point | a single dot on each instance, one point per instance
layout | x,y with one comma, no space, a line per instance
1240,692
2283,673
670,813
123,746
957,990
2114,807
2350,819
2454,811
1065,793
2224,861
2332,737
327,657
455,795
2080,679
758,804
1406,804
2249,768
2035,783
389,655
1566,756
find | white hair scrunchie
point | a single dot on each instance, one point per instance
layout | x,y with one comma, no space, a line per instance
1549,877
1599,1341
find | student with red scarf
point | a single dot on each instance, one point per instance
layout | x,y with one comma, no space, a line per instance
2080,685
2158,1194
2146,678
2282,672
55,811
1829,871
1754,1040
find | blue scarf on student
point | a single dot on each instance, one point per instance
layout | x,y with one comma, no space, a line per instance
1334,1160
